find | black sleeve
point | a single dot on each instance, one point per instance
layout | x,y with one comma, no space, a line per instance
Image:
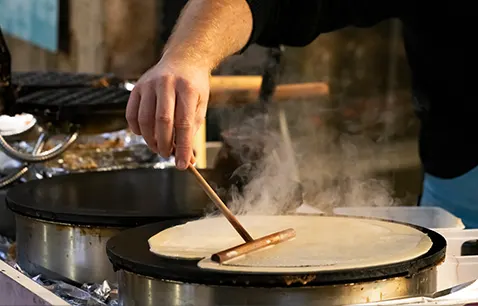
299,22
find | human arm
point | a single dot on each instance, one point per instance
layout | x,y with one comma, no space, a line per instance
169,102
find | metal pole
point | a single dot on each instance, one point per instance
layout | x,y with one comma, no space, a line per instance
270,77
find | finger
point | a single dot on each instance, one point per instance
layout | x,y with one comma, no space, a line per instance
200,114
193,159
200,118
132,109
146,114
184,124
165,105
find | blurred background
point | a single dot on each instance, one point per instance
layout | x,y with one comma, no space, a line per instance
365,70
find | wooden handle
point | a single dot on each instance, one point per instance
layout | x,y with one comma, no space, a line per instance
232,82
283,92
220,205
255,245
304,90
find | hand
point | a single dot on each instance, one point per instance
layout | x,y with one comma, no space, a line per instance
168,105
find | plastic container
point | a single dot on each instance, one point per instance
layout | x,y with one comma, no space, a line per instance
429,217
457,268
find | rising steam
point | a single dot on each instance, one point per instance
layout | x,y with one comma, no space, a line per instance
333,169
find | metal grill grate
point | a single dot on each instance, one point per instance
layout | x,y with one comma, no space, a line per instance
76,97
58,96
32,78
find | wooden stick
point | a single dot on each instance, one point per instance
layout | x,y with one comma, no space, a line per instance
283,92
255,245
233,82
220,205
301,90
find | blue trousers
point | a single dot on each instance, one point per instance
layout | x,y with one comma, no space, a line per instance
459,196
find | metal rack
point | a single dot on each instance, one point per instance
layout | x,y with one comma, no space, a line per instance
61,101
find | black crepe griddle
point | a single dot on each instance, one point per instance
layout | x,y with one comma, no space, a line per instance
129,251
122,198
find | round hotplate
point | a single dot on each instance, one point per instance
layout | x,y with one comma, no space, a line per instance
113,198
129,251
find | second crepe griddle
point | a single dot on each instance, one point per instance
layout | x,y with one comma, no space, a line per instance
113,198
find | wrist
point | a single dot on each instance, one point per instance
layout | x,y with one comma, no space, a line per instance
184,55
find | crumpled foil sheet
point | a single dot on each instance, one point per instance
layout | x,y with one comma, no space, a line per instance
109,151
104,294
115,151
5,245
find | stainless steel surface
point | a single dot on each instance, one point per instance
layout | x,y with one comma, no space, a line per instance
131,156
42,157
14,176
18,173
7,219
137,290
63,251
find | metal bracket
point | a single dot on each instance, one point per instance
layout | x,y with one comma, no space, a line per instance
270,76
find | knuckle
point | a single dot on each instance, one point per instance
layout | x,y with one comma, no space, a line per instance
165,80
165,119
184,84
183,124
131,117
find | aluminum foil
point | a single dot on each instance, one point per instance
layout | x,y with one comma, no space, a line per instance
5,245
87,295
105,152
104,294
102,151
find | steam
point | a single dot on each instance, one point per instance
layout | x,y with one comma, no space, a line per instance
272,189
332,169
335,168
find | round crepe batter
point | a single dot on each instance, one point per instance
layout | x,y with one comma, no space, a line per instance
321,243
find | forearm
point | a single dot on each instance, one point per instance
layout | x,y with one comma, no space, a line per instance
208,31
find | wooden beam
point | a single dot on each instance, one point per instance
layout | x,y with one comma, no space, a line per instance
131,36
87,35
118,36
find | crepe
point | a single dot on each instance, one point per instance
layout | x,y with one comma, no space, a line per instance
322,243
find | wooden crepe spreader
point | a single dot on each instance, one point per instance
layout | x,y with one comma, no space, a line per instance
250,244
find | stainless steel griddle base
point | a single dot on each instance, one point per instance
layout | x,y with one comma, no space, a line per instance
136,290
64,251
